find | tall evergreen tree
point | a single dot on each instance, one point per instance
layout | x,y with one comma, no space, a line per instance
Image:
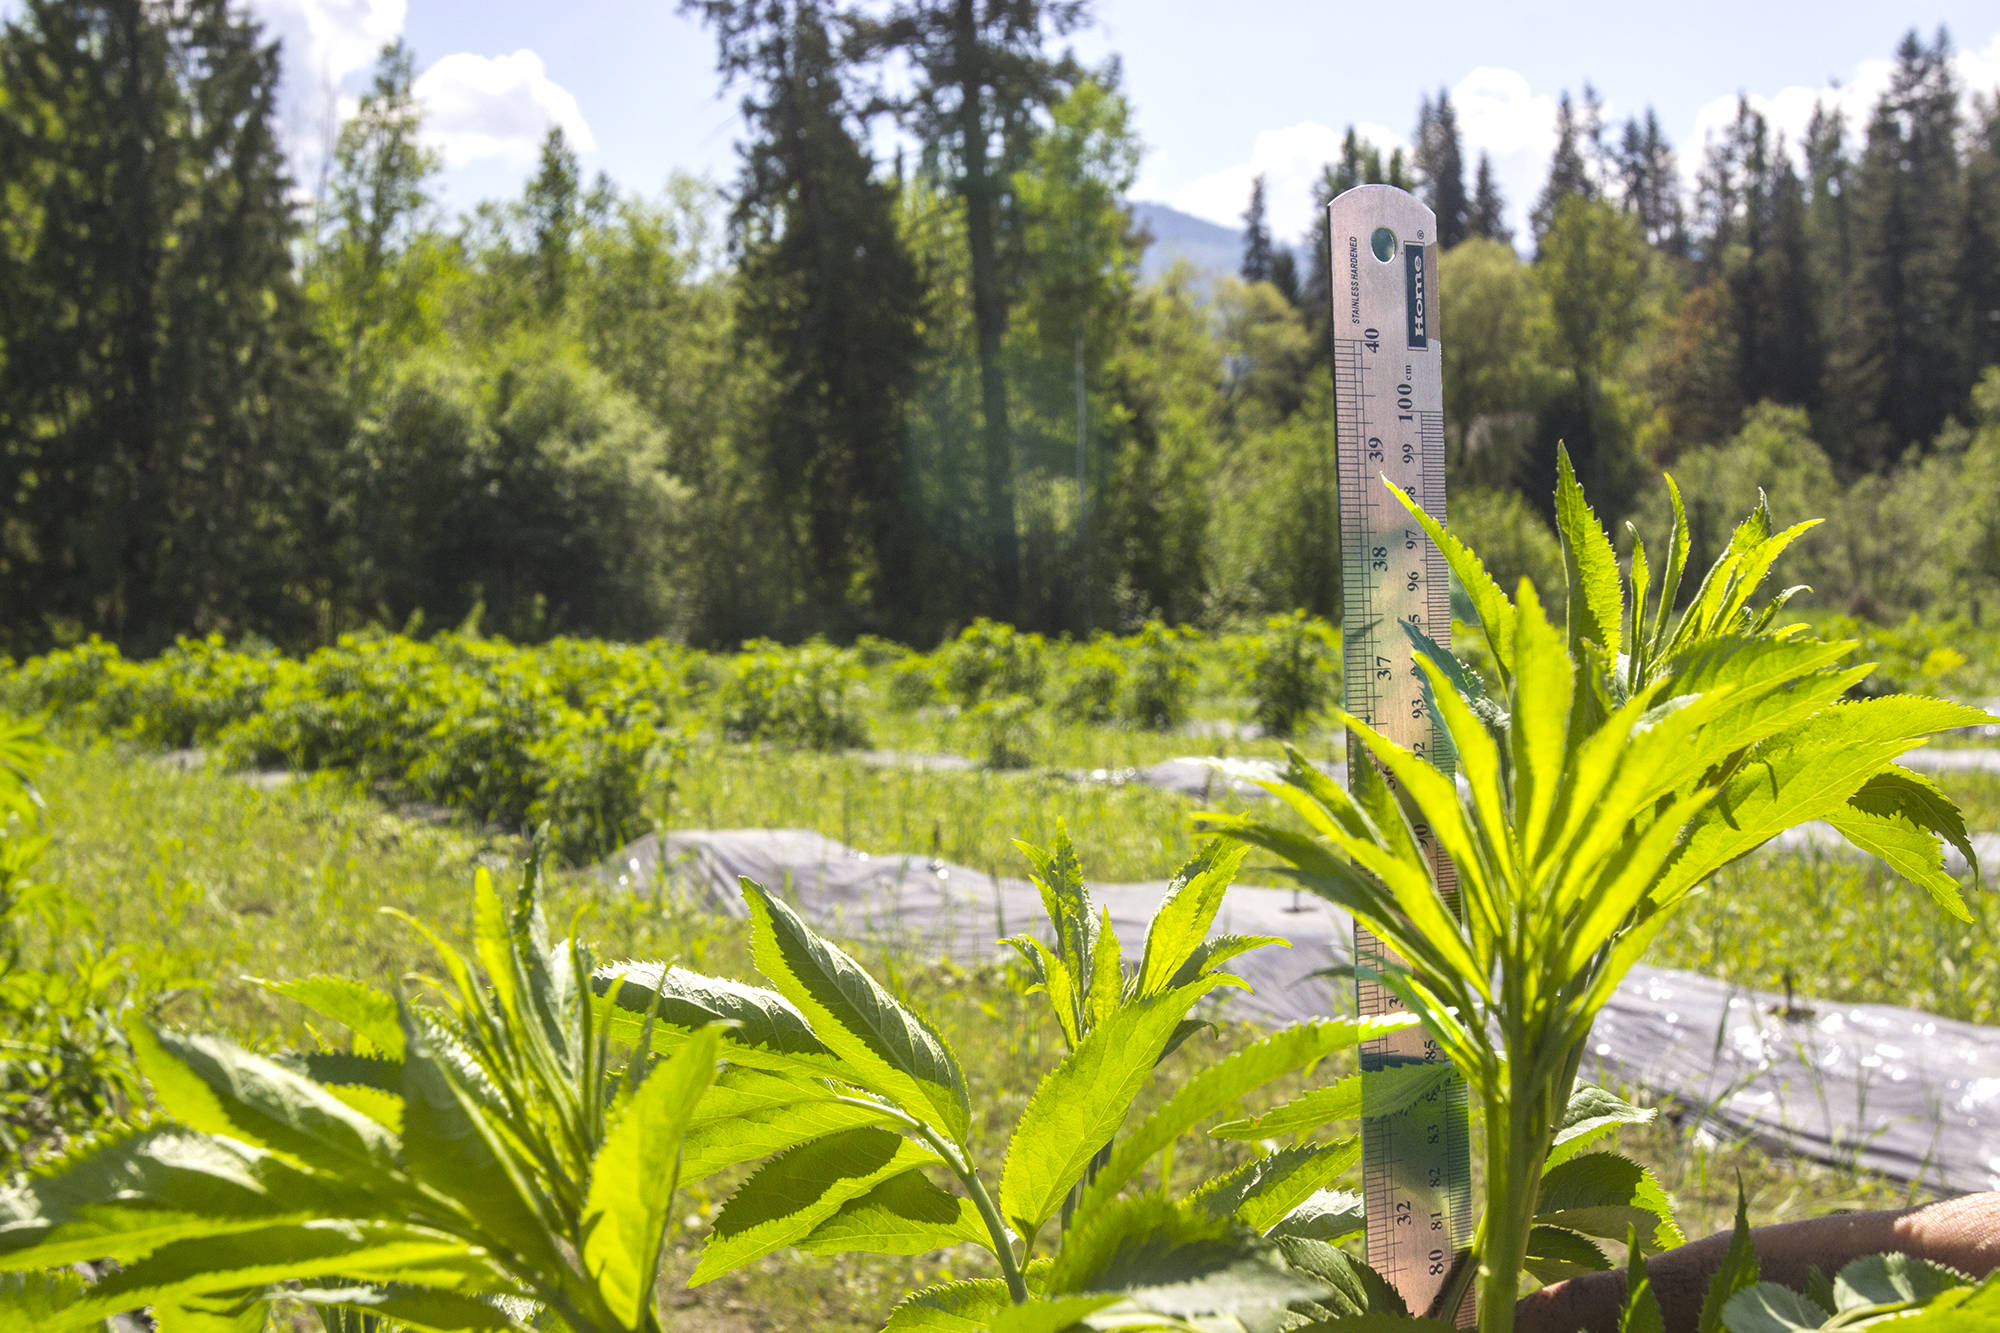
832,298
1905,355
1650,184
157,387
1285,273
1257,249
1441,168
981,71
1488,214
1569,170
1979,243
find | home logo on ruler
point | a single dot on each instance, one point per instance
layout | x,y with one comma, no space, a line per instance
1419,304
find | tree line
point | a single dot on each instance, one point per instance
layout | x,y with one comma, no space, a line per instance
845,395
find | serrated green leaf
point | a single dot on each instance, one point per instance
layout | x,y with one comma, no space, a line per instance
1080,1104
1592,1114
1892,1281
368,1013
1974,1309
1181,923
751,1113
166,1183
890,1048
633,1177
1912,852
1739,1269
1049,1316
1489,603
954,1307
1770,1308
1324,1215
455,1144
211,1084
415,1307
244,1261
1603,1194
1596,595
788,1197
906,1214
1381,1091
1261,1193
1555,1253
762,1028
1171,1258
1898,792
1352,1287
1642,1309
1226,1082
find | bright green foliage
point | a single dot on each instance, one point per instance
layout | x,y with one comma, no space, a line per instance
64,1065
853,1102
989,660
1874,1289
799,697
1608,771
1290,672
468,1164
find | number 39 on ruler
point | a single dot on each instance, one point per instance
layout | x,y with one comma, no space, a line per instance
1389,391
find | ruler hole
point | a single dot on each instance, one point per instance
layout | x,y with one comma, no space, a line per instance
1383,243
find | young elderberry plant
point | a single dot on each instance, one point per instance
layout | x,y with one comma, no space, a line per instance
1609,769
474,1161
863,1121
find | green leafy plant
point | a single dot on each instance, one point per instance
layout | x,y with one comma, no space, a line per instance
1291,672
799,697
465,1164
858,1109
989,659
65,1067
1159,683
1609,769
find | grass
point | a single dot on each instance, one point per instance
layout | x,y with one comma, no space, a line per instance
206,877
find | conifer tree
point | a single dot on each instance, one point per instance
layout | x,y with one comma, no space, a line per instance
157,392
1905,356
1569,169
1650,184
831,296
1979,243
1257,250
1441,168
552,206
1488,214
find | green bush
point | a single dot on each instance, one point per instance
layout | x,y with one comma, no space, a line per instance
1292,674
800,697
1004,732
989,660
1159,677
1089,683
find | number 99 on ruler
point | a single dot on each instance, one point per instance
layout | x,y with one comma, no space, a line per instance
1389,392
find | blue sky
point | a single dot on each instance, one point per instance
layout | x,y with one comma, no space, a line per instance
1220,92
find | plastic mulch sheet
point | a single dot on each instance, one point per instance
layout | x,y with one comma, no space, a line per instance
1898,1091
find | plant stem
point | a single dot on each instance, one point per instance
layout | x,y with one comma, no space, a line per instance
1517,1143
989,1213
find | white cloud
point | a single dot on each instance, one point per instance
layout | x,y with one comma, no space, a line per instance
1500,114
1789,110
1290,160
496,107
328,40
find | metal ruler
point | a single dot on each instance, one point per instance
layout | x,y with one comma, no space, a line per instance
1389,396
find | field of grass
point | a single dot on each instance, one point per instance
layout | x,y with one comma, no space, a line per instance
207,877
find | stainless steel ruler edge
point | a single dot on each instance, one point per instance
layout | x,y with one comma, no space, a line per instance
1388,392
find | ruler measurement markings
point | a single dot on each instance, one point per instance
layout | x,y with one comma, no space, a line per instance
1415,1165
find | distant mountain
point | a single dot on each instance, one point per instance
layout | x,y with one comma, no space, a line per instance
1212,251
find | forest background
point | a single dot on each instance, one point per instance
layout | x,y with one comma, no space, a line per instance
847,395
